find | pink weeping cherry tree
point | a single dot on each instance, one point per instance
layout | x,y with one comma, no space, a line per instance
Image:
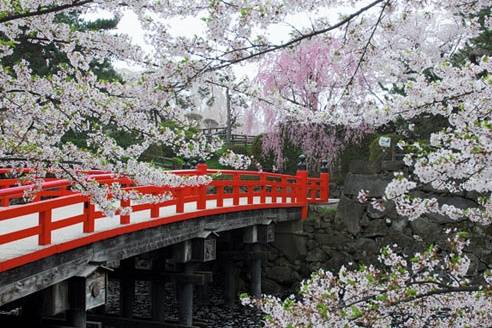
308,78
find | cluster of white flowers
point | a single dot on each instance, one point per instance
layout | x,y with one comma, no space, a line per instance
408,292
362,196
394,43
409,39
399,186
108,197
38,111
236,161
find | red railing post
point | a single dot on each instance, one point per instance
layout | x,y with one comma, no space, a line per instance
5,202
236,178
45,227
293,191
324,185
263,185
155,207
154,210
302,176
201,204
310,188
220,195
302,186
283,189
90,216
124,219
179,194
251,189
324,182
274,191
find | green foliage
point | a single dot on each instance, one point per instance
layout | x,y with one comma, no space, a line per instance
243,296
178,161
45,58
288,304
426,126
353,151
77,138
267,161
327,211
161,155
213,163
323,311
158,154
317,213
240,149
291,154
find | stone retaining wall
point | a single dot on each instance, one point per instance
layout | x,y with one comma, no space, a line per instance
356,232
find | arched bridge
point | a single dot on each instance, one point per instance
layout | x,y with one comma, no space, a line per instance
56,243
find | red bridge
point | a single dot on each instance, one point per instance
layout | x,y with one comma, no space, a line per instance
43,241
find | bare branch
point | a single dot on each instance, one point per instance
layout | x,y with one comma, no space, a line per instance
299,39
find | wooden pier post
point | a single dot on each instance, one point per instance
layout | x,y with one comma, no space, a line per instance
32,310
255,272
127,289
157,290
230,285
77,315
184,291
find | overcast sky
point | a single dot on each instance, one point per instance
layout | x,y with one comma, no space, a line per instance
190,26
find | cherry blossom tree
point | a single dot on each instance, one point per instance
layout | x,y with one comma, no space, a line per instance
392,44
236,161
455,159
37,112
398,43
424,290
311,76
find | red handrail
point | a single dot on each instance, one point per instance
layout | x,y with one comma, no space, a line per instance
52,187
244,189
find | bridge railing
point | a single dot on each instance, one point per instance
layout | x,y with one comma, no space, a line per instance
229,191
51,187
280,185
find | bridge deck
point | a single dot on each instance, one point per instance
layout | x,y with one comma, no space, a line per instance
30,245
59,219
